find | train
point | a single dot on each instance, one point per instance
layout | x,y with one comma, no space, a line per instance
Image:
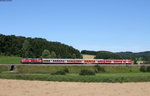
74,61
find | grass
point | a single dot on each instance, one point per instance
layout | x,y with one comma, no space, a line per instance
51,69
103,77
76,69
4,68
10,60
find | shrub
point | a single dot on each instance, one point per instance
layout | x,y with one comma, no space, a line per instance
99,69
86,72
148,69
66,70
59,73
143,69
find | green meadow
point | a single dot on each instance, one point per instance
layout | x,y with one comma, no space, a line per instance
9,60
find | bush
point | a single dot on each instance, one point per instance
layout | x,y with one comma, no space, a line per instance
66,70
148,69
99,69
86,72
59,73
143,69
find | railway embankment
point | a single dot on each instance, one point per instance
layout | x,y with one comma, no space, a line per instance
102,73
73,68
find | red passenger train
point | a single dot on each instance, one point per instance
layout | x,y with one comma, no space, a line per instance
74,61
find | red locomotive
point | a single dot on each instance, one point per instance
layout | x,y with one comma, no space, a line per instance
74,61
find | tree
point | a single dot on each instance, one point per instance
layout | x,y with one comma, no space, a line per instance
74,56
46,54
53,54
25,45
88,52
26,49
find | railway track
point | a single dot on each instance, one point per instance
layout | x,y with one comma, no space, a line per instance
78,64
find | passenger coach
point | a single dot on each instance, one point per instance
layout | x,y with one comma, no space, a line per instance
74,61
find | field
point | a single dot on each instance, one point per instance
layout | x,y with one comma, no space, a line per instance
10,60
44,88
88,56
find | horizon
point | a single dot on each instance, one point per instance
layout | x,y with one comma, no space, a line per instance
116,26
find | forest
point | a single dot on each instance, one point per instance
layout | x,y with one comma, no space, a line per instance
11,45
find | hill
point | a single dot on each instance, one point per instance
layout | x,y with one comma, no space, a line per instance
141,55
12,45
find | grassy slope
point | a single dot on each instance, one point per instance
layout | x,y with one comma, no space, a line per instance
112,74
10,60
76,69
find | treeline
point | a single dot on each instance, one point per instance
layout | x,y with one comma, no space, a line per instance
12,45
144,56
88,52
140,55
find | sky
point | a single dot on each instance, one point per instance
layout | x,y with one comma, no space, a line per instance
112,25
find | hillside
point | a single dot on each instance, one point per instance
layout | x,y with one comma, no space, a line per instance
140,55
12,45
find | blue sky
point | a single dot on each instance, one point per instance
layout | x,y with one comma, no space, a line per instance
112,25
